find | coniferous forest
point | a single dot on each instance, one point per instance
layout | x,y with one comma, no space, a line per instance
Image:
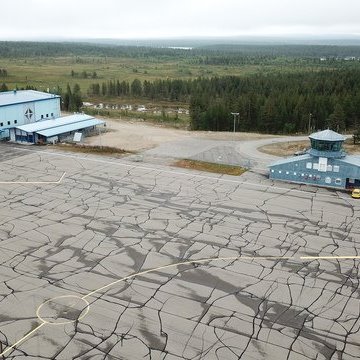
278,103
271,103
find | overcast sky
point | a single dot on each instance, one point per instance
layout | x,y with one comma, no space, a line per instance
27,19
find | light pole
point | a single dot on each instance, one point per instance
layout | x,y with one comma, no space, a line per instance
235,115
100,137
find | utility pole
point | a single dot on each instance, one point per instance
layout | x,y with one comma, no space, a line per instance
100,137
235,115
310,115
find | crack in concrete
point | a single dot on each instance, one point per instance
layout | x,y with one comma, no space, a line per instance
105,221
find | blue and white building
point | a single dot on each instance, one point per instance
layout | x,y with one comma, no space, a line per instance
21,107
325,164
54,130
34,117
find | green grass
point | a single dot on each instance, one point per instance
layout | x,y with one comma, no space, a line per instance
210,167
48,73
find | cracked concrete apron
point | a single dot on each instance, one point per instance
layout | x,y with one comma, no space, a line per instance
121,261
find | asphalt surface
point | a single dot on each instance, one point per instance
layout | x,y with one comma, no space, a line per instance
105,258
231,152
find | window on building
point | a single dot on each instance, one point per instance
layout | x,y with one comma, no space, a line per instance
329,168
308,165
338,181
1,124
15,121
8,122
47,115
295,173
287,173
42,116
316,166
52,114
272,170
336,168
310,176
323,164
279,171
328,180
302,174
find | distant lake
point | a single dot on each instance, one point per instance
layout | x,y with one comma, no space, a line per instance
180,47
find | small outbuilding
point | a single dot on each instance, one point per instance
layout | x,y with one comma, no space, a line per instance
325,164
50,131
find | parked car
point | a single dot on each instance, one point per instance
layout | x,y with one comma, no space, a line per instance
356,194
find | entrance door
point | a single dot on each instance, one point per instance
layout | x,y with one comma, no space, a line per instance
352,183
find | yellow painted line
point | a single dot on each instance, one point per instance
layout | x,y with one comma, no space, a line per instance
38,311
22,339
184,263
35,182
328,257
199,261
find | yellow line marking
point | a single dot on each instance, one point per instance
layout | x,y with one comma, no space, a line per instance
21,340
184,263
328,257
83,313
35,182
44,322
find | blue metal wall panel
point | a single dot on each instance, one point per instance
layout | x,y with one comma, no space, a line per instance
8,114
297,171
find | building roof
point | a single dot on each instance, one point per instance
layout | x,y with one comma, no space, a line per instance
70,127
291,159
61,125
327,135
23,96
352,159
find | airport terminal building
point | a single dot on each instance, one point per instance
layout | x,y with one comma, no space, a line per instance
34,117
325,164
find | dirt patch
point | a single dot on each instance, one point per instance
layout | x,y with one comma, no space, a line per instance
136,135
285,148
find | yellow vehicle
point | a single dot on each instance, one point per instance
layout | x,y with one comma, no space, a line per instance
356,194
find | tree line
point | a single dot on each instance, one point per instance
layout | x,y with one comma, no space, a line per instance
84,74
214,54
271,103
266,102
169,89
278,102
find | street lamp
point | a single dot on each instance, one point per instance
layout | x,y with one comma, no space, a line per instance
235,115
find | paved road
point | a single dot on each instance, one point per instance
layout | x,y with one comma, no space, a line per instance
250,149
121,260
242,153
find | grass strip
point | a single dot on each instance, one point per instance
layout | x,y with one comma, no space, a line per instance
210,167
92,149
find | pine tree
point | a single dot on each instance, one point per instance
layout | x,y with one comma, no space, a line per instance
337,118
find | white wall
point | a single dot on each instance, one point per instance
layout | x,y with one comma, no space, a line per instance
39,108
